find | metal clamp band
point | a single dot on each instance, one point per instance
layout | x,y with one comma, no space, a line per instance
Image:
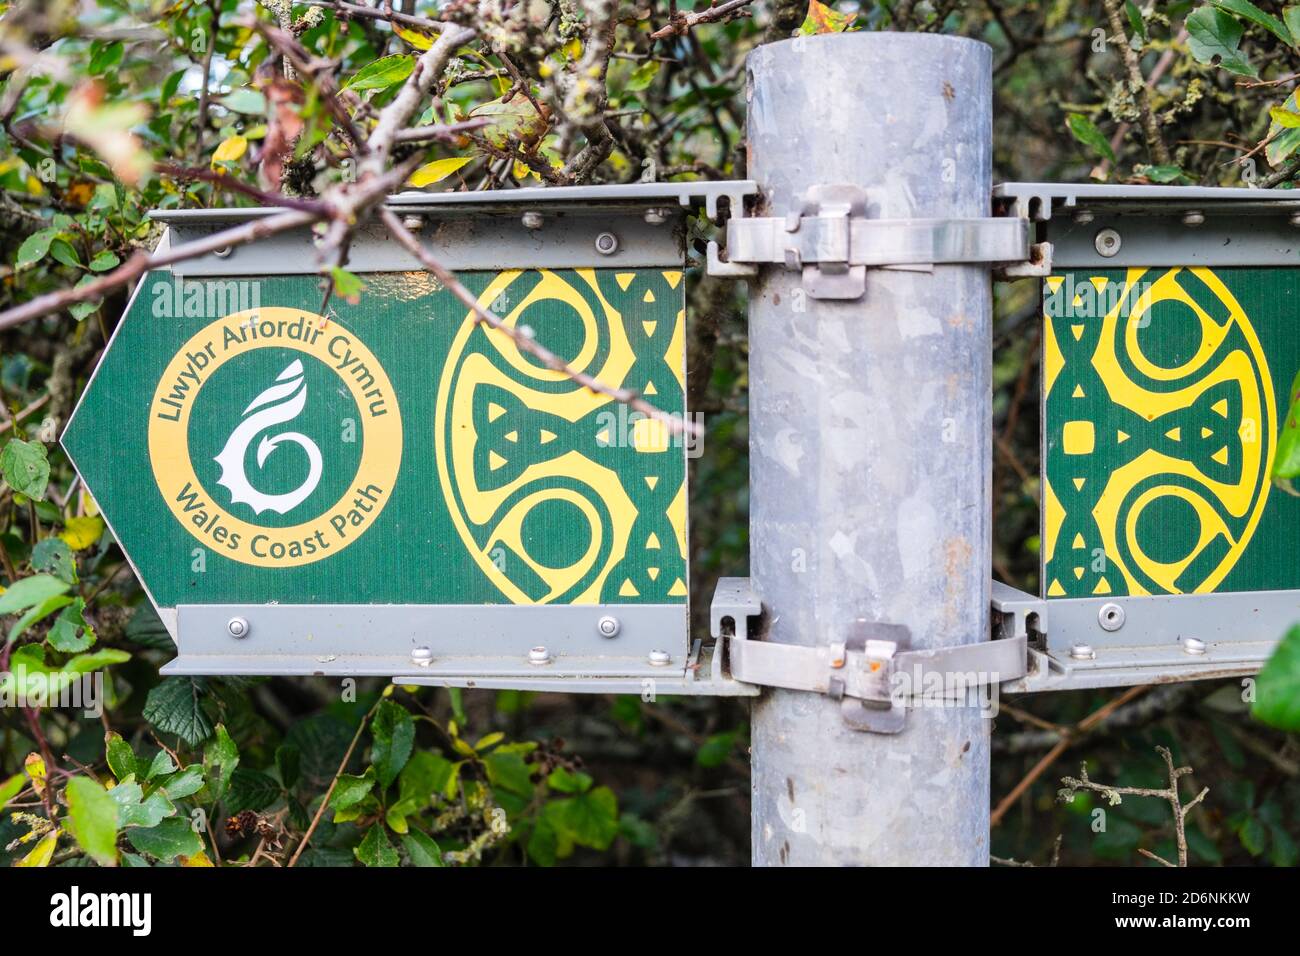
834,242
872,672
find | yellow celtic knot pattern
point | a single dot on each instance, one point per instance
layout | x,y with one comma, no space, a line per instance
560,494
1159,430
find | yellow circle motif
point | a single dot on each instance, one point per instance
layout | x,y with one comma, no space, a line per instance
330,530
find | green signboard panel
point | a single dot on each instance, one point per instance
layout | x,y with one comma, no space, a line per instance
1163,393
248,450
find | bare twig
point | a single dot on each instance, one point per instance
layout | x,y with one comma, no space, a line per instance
1137,85
1114,796
680,24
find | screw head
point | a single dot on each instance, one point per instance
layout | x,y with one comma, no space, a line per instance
539,655
609,626
237,627
223,252
532,219
1193,645
423,656
656,217
1193,217
1295,219
413,223
660,658
1083,217
1082,652
607,243
1110,617
1107,242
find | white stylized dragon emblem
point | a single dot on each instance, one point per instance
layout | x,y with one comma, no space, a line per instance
280,403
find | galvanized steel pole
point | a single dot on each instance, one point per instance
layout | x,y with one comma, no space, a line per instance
870,446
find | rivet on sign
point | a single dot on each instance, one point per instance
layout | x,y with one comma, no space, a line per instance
532,219
607,243
1083,217
237,627
609,626
1193,217
656,217
1193,645
539,655
660,658
1295,218
1082,652
1110,617
222,252
423,656
1107,243
413,223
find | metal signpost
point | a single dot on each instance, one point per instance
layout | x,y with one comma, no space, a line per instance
387,487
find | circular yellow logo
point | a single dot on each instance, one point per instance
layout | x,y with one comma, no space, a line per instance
275,437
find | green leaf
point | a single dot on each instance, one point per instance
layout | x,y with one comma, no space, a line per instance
287,762
1254,836
1086,132
34,248
1283,138
121,758
38,613
1277,689
1212,36
161,765
251,790
92,819
643,76
347,285
394,736
589,819
42,853
375,850
54,555
107,57
1291,17
351,790
244,100
184,783
29,592
1244,8
70,633
175,706
1162,174
715,751
1135,20
382,73
424,774
135,810
11,788
104,260
25,465
568,782
823,18
220,757
509,772
422,850
1284,117
171,838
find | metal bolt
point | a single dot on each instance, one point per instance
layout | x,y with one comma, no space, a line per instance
609,626
539,655
1110,617
1083,217
1193,645
222,252
532,219
423,656
413,223
656,217
607,243
1082,652
660,658
1193,217
1295,218
237,627
1107,243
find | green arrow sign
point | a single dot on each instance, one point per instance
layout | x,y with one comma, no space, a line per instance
246,449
